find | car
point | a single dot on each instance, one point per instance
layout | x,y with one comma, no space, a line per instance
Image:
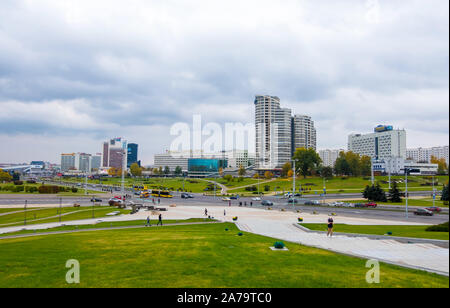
96,200
309,203
348,204
423,212
434,209
292,201
256,199
360,205
371,204
186,196
337,204
235,197
266,203
226,199
115,202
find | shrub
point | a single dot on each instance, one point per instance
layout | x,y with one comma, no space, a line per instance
48,189
439,228
267,188
8,188
279,245
18,189
74,190
31,189
18,182
240,234
31,182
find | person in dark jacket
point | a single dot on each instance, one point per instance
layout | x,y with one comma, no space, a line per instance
160,220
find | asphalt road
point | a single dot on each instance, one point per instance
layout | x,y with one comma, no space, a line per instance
388,213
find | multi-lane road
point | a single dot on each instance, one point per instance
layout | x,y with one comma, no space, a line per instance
383,212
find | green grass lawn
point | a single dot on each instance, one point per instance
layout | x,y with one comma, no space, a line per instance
47,215
187,257
401,231
426,202
113,224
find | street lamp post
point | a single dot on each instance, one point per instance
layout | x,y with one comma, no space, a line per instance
60,208
25,212
406,191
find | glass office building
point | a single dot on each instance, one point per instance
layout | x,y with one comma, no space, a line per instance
200,166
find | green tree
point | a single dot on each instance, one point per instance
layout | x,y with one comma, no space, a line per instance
375,193
166,170
228,177
135,170
442,165
326,172
394,194
178,170
445,193
268,175
306,160
341,166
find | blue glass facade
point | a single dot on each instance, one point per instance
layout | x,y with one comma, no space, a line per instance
206,165
132,154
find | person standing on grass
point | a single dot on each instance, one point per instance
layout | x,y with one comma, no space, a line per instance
148,221
160,220
330,227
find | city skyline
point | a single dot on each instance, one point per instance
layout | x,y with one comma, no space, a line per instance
84,81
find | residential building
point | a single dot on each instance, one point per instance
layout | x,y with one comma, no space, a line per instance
67,162
385,142
329,157
273,132
425,154
303,133
396,166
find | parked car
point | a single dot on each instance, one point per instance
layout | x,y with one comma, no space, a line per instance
360,205
337,204
348,205
267,203
434,209
371,204
423,212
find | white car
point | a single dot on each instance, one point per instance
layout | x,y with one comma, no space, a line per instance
337,204
256,199
348,205
226,199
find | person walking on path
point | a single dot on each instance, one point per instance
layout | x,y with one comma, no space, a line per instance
330,227
160,220
148,222
159,201
224,213
229,203
206,212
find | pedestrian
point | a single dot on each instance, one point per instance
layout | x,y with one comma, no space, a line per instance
251,203
160,220
148,221
159,201
224,213
206,212
245,203
330,227
229,203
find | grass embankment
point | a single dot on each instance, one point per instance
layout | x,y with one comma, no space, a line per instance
113,224
400,231
47,215
186,257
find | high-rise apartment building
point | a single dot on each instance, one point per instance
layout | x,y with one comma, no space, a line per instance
329,157
303,133
279,134
273,132
67,162
384,143
425,154
80,162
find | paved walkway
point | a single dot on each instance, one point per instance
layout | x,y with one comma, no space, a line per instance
279,225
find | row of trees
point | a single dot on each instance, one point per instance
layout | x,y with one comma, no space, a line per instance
308,162
377,194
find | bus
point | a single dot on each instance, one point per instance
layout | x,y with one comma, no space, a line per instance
162,194
140,187
144,195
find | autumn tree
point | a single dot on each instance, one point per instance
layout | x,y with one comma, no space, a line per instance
135,170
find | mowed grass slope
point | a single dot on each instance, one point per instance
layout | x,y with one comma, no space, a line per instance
188,257
401,231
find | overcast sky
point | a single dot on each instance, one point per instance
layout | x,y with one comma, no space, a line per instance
75,73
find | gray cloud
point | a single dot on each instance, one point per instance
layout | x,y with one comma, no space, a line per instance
96,69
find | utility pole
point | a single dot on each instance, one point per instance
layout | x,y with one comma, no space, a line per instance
124,161
406,191
25,212
293,186
390,166
60,208
371,171
85,184
434,194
